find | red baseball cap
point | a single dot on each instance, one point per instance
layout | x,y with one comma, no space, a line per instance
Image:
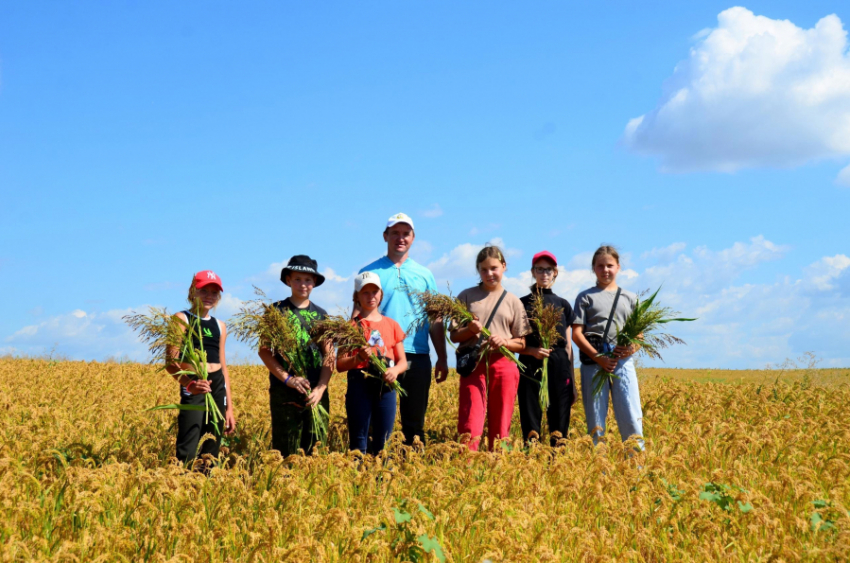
544,254
207,277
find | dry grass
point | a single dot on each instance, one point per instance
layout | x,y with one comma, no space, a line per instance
86,475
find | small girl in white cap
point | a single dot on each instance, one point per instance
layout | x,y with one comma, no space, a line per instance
370,401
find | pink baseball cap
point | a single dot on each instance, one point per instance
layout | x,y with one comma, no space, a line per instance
544,254
207,277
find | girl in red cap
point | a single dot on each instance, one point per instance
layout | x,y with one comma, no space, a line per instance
562,390
204,295
492,385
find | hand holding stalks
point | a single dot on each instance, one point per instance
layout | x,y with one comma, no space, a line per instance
623,352
199,387
606,363
391,375
301,384
538,353
315,396
497,342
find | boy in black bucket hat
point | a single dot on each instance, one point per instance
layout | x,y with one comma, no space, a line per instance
304,264
291,397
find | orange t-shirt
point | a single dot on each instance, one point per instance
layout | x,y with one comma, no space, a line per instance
389,334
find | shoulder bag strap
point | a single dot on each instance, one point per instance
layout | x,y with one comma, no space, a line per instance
493,314
611,315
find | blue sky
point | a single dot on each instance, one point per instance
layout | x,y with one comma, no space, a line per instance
140,143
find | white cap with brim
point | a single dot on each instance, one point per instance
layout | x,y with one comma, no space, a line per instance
364,279
399,218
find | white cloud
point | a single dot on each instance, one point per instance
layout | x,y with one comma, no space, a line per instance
228,306
458,262
81,334
843,178
666,253
332,276
753,92
707,271
433,212
421,250
823,274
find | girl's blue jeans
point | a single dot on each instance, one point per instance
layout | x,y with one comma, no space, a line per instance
369,402
625,397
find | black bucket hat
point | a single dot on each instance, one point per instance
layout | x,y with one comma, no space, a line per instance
304,264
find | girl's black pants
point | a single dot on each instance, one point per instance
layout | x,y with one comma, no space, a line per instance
562,394
192,425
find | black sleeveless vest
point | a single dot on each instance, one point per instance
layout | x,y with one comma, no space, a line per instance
210,335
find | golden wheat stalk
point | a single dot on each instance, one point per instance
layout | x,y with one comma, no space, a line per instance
545,319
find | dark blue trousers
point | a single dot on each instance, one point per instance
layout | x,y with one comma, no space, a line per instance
369,402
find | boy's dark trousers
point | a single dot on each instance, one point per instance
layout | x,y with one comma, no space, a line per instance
416,382
292,424
561,395
191,425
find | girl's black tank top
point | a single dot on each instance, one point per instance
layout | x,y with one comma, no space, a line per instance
210,335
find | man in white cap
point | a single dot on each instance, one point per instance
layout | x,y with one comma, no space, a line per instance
399,273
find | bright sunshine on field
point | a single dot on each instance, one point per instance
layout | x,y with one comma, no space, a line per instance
739,466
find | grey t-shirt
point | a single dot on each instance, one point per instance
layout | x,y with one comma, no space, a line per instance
593,307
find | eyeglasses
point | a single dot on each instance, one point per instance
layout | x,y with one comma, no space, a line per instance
542,271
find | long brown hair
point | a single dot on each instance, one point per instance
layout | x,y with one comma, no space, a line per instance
490,251
605,250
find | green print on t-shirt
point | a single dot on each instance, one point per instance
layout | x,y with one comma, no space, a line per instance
312,355
207,333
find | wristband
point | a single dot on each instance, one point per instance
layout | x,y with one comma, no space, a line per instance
189,385
288,377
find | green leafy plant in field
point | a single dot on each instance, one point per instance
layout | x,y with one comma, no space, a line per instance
406,544
823,522
721,495
642,329
165,334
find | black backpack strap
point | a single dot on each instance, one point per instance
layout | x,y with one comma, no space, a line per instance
611,315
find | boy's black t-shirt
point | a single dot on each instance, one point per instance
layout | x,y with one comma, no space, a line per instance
312,354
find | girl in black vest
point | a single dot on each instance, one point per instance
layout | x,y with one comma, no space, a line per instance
204,295
562,389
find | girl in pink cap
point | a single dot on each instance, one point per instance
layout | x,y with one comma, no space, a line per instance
204,295
562,388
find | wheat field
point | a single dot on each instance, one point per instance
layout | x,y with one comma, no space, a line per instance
740,466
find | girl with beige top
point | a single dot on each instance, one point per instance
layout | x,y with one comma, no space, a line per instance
495,379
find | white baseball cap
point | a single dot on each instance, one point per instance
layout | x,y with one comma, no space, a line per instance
399,218
364,279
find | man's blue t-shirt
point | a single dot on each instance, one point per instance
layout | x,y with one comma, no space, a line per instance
398,304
